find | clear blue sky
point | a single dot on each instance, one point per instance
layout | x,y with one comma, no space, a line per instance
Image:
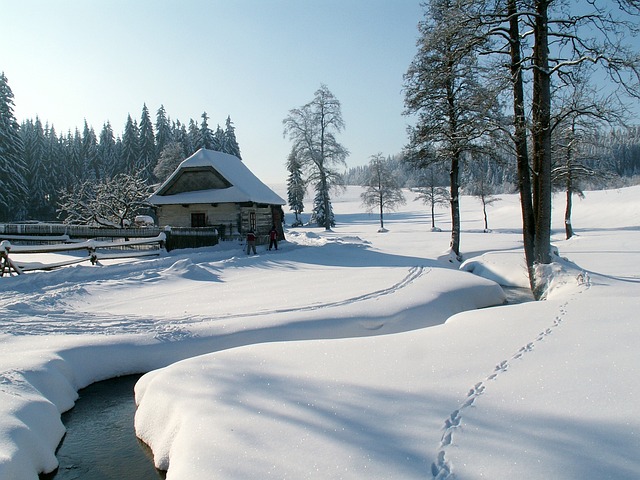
71,60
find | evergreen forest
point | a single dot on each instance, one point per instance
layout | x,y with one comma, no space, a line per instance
40,165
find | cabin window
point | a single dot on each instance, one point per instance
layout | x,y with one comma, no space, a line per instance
252,221
198,220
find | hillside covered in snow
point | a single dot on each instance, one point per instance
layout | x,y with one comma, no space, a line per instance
347,354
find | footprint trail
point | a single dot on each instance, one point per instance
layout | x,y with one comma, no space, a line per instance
441,468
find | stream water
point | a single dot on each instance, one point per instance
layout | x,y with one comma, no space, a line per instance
518,295
100,443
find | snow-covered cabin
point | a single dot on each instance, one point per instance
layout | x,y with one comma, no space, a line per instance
215,189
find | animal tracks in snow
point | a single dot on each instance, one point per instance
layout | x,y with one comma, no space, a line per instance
527,348
441,468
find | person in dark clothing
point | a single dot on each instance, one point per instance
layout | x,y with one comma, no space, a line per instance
273,237
251,242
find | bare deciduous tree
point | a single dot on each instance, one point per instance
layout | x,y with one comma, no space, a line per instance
481,186
579,113
382,191
432,192
442,87
562,36
312,128
112,202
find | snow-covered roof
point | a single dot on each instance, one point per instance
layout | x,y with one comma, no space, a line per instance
225,179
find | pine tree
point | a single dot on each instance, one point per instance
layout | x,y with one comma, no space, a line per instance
169,160
65,167
181,137
89,154
322,214
194,138
164,133
230,142
56,174
107,158
296,187
218,140
37,166
76,163
147,144
206,139
130,146
13,184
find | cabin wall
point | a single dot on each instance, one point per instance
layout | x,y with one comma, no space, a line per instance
263,219
180,216
229,215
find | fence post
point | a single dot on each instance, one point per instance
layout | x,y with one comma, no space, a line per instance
5,262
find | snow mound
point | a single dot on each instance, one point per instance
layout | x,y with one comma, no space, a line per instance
311,239
314,239
562,278
352,240
185,268
505,268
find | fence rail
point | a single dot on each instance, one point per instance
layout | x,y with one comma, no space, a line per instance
96,251
75,231
29,238
176,238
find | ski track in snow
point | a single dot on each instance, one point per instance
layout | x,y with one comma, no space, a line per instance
441,468
58,321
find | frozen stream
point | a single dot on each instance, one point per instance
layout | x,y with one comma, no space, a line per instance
517,295
100,443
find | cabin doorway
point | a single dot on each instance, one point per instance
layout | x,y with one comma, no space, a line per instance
198,220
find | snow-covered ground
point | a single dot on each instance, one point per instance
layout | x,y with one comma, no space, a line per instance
347,354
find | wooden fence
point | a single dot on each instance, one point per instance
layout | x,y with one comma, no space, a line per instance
74,231
100,243
53,233
96,251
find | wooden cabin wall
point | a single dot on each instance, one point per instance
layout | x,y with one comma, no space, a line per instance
180,216
226,214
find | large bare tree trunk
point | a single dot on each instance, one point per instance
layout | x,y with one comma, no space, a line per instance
454,173
433,210
568,228
455,204
541,109
520,139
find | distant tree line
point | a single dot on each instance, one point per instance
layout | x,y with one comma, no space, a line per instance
39,166
612,156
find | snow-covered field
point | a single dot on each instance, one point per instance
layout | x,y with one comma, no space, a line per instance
347,354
